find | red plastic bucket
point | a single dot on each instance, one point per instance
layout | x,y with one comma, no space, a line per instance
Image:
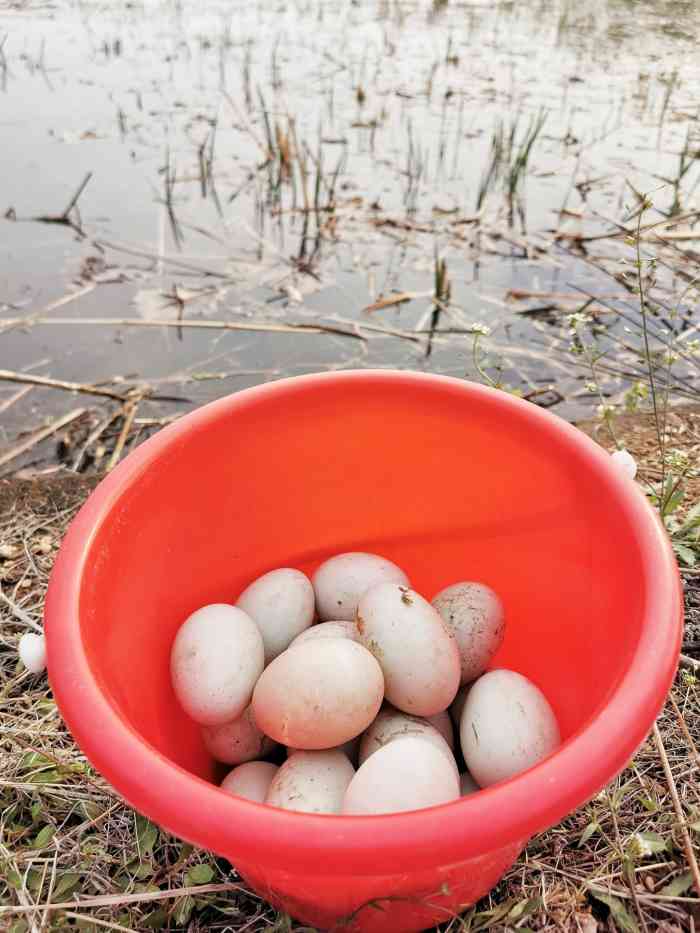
450,480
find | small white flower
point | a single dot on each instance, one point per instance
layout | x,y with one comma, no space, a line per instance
32,652
624,460
641,845
481,330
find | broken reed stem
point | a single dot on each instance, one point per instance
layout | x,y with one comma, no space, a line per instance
40,435
684,729
110,900
9,402
83,388
680,816
94,436
129,412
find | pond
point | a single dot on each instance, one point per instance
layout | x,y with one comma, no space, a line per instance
200,196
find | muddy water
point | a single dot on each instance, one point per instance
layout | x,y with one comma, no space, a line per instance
290,163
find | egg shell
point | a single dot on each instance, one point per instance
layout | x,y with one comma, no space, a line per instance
467,784
391,725
250,780
237,741
32,652
507,726
281,603
474,615
319,695
340,582
418,656
407,774
215,661
312,782
335,629
349,749
442,722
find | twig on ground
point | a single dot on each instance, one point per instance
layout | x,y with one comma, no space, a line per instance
680,816
40,435
129,413
9,402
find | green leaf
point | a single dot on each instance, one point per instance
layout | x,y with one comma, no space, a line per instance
156,920
679,885
91,809
686,554
43,837
52,776
653,842
183,910
146,835
649,804
524,908
13,878
199,874
618,911
592,827
37,810
65,884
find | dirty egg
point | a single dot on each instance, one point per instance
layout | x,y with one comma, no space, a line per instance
391,724
474,615
418,656
237,741
312,782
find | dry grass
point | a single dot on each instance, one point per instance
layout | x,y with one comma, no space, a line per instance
66,838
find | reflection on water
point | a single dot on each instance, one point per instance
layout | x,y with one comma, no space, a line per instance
291,162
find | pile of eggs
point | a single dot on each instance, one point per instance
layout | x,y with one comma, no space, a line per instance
361,678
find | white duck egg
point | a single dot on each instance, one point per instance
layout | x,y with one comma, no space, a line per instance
312,782
474,615
418,656
281,603
391,725
216,659
250,780
407,774
319,695
237,741
340,582
507,726
350,749
335,629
